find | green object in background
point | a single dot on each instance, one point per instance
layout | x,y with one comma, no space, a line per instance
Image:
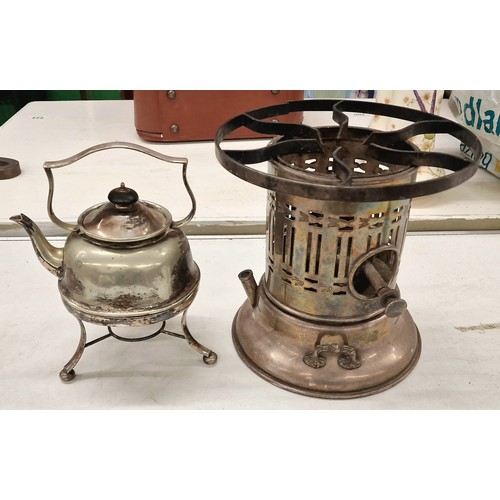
77,95
7,109
11,101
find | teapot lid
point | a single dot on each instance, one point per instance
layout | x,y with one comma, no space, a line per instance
124,218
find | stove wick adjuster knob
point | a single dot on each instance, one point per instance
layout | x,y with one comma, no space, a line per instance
390,298
394,304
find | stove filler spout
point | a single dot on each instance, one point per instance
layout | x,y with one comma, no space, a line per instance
250,285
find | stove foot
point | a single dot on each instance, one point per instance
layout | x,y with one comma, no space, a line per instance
67,373
209,357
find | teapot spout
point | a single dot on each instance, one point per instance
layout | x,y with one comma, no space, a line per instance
50,256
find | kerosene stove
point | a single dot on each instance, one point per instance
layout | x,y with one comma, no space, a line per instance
327,319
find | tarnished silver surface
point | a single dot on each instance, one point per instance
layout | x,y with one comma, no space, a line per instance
128,286
315,248
125,262
144,220
337,213
329,290
378,353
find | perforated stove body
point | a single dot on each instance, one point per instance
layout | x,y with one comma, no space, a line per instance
327,318
315,247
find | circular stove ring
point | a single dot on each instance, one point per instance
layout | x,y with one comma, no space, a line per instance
300,139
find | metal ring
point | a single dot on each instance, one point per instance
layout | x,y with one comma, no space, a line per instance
235,161
9,168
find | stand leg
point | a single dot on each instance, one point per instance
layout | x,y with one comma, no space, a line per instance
67,373
209,357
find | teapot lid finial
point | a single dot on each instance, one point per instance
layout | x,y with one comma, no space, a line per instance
123,197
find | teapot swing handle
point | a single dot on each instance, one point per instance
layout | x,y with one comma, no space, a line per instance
49,165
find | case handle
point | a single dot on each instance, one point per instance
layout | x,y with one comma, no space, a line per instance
49,165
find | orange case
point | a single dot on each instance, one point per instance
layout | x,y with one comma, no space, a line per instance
195,115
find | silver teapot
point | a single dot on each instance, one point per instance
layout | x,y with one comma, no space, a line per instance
126,262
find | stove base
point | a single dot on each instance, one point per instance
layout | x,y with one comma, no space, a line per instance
325,361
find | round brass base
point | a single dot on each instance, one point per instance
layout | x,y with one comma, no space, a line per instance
279,347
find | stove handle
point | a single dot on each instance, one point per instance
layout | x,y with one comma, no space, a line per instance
348,356
49,165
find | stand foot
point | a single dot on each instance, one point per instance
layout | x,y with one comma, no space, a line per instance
67,373
209,357
67,376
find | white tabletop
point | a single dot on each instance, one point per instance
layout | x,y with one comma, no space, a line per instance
450,281
44,131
